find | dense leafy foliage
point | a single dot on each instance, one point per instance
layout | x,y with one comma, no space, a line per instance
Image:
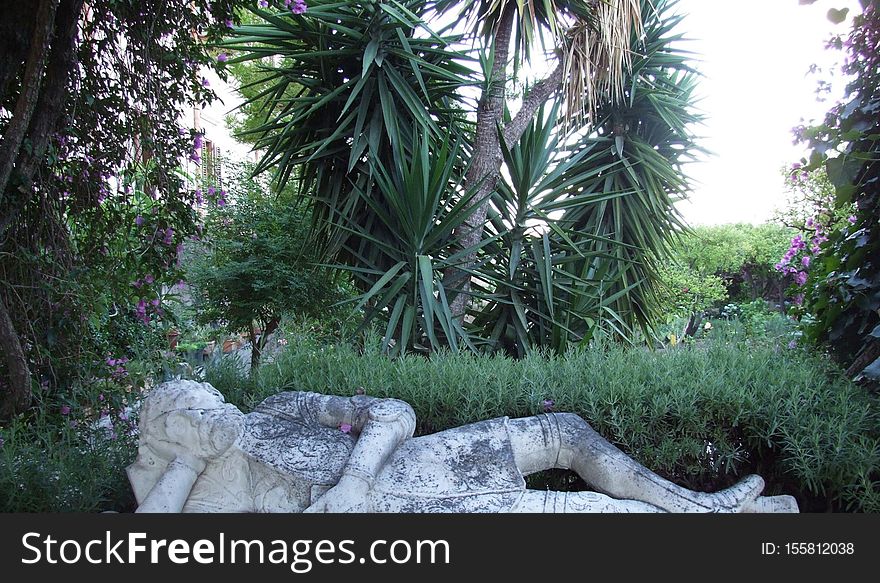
90,102
843,290
253,265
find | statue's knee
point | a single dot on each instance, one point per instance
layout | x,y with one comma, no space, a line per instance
572,428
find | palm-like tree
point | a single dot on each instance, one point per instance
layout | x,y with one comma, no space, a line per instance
363,109
591,42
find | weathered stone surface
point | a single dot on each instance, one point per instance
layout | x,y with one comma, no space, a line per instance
302,451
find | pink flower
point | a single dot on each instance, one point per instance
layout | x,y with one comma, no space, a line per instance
345,428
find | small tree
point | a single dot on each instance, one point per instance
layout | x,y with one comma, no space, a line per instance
254,266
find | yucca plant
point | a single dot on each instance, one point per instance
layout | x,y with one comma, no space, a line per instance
417,205
363,110
347,85
643,142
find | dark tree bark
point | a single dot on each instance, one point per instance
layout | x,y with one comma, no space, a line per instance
38,109
18,395
257,347
48,111
30,91
869,354
16,30
486,159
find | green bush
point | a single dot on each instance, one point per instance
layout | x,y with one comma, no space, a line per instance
701,416
70,455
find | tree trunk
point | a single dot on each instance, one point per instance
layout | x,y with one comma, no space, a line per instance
17,398
486,159
257,347
47,113
870,353
30,92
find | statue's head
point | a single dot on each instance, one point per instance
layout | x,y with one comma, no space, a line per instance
190,414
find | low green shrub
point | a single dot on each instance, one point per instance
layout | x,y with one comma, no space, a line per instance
702,415
69,456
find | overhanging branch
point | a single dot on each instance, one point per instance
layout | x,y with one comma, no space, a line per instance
540,93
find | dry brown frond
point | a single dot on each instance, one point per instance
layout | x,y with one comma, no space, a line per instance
596,56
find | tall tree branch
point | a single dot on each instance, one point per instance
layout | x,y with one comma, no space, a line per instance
49,109
539,94
30,91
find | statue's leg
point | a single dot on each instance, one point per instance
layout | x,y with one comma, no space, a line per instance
543,501
564,440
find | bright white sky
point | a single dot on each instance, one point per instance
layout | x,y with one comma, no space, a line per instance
755,55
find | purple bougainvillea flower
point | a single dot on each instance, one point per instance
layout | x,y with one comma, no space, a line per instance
852,219
299,7
205,82
801,278
263,3
805,260
222,57
345,428
169,236
65,410
228,23
148,279
139,220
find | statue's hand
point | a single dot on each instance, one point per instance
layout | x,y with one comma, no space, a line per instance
349,495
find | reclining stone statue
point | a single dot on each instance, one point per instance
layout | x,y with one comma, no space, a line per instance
300,451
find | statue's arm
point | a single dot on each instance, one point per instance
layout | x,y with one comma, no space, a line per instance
385,425
170,493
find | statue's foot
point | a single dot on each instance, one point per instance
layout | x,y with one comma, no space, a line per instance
774,504
737,498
